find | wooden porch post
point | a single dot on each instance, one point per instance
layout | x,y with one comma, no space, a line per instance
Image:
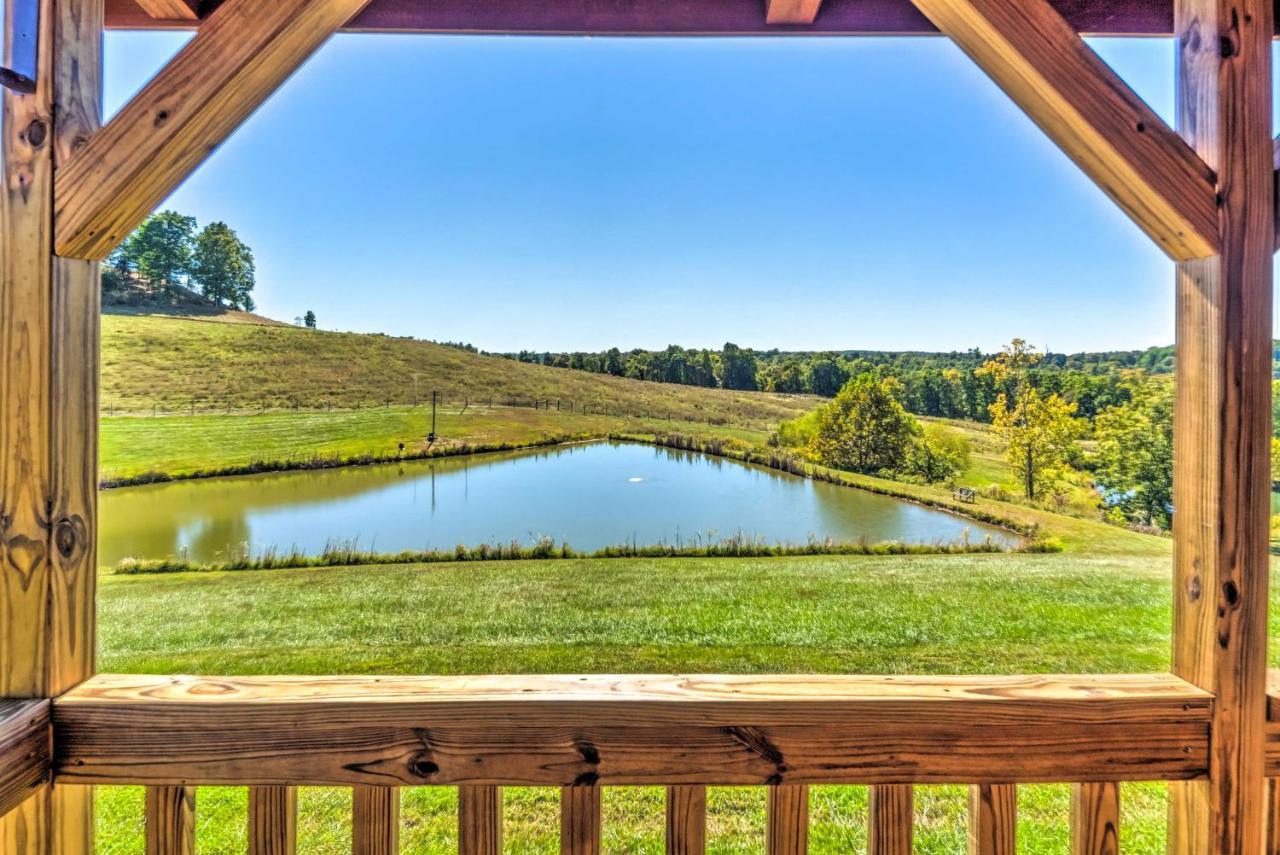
1223,417
48,409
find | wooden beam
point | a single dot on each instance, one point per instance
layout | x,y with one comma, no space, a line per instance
243,52
786,820
1095,819
1222,422
659,730
891,820
171,10
171,821
273,820
663,17
479,821
24,751
48,410
993,819
792,11
686,820
1032,53
580,820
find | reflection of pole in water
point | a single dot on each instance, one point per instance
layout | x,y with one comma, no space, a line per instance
433,489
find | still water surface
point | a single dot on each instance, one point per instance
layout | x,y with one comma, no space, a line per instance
590,496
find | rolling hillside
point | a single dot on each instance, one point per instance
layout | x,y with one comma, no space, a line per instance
180,366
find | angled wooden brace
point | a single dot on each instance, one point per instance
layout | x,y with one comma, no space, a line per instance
792,11
1032,53
241,54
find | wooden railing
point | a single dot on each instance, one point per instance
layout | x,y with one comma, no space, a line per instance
582,733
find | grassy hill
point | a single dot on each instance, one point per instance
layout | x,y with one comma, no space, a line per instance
181,395
180,365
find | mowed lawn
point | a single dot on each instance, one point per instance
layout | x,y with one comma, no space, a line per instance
924,614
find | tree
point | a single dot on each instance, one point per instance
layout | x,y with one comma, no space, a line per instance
309,320
938,454
864,428
1040,432
737,368
159,250
826,375
222,267
613,362
1134,459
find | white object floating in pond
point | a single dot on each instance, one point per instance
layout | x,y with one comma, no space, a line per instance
635,480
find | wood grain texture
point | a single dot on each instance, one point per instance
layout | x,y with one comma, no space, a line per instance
171,821
25,751
686,820
479,820
1095,819
273,820
792,11
691,17
580,820
46,568
1273,817
243,52
786,820
171,10
1222,420
663,730
891,820
1032,53
993,819
375,821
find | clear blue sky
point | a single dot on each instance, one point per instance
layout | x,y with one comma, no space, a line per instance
561,194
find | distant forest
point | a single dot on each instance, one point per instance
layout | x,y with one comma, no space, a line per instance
932,384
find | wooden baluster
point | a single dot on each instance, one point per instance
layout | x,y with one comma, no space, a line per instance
579,820
787,820
1095,819
993,815
1273,816
686,820
890,824
375,821
171,820
479,820
273,820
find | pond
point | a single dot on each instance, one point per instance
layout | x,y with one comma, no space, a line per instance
589,495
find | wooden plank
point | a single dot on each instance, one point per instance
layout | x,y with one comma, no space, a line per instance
661,730
686,820
703,17
171,10
273,820
243,52
993,819
786,820
479,820
24,751
580,820
375,821
1223,421
792,11
1095,819
171,820
891,820
1032,53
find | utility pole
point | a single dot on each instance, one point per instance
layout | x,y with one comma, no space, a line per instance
430,437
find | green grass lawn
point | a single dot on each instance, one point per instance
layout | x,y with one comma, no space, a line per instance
923,614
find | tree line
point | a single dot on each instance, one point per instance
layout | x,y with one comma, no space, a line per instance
167,252
945,385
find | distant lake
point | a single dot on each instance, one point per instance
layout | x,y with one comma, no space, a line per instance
589,496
